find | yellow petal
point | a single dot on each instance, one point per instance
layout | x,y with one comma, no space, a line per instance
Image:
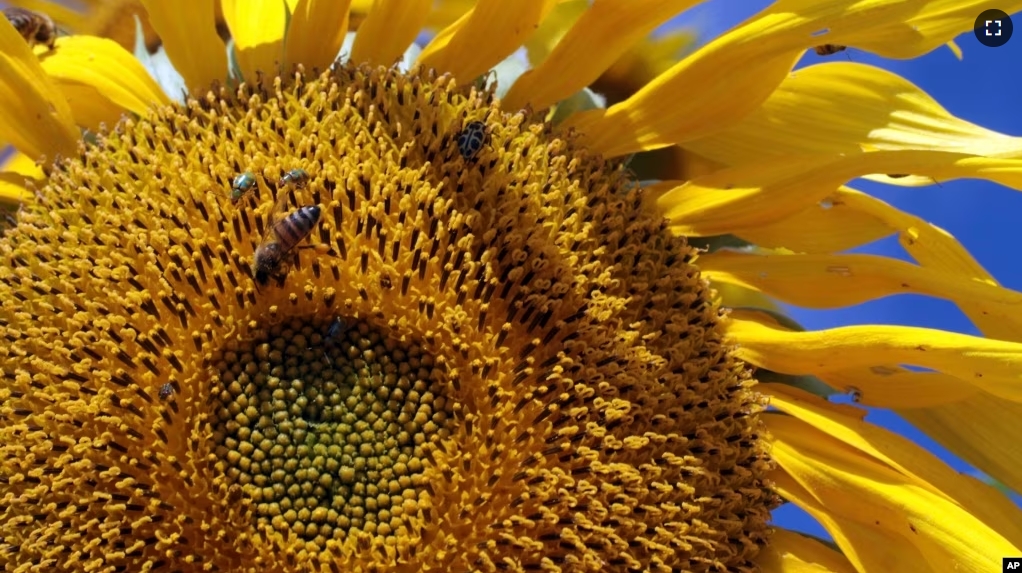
832,281
955,50
868,546
188,31
92,110
789,552
877,385
736,296
257,27
992,365
34,117
23,165
19,171
845,423
485,35
828,226
550,31
976,426
931,25
446,12
747,197
601,36
388,30
765,49
101,64
929,245
896,387
983,430
836,107
884,502
316,32
13,191
754,194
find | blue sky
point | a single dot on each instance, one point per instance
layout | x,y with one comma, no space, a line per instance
984,89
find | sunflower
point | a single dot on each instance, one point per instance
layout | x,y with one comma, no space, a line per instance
288,311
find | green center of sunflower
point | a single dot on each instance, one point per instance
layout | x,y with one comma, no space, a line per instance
326,427
531,373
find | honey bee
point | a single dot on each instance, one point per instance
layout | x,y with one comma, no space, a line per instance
471,139
296,177
829,49
283,233
35,27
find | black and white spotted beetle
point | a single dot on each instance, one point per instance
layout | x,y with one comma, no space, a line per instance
471,140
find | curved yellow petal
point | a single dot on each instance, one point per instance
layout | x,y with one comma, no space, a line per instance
754,194
992,365
745,197
845,423
789,552
828,226
13,191
983,430
19,171
957,51
552,29
896,387
388,30
91,108
869,546
485,35
188,31
101,64
931,247
316,32
257,27
446,12
737,296
832,281
839,106
34,117
598,38
23,165
765,49
883,503
878,385
932,25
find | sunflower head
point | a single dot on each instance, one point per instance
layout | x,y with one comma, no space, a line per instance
486,360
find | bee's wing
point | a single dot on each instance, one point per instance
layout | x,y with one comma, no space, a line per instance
276,216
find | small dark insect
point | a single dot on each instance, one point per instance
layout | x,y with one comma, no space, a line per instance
165,391
829,49
242,185
283,233
35,27
296,177
471,139
897,175
336,327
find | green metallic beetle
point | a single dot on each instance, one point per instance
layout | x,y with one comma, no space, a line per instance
242,185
